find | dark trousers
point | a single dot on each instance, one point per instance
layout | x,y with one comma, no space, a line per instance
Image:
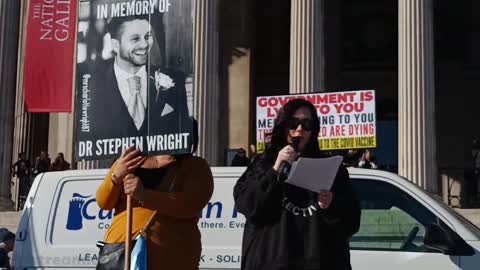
24,186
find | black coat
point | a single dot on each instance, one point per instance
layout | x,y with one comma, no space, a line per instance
112,118
285,227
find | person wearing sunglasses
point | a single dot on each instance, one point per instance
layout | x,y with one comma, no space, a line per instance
288,227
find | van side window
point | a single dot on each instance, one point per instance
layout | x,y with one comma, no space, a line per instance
391,219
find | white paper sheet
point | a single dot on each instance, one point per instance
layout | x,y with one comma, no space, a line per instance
314,174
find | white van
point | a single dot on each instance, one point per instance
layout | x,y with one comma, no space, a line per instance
402,227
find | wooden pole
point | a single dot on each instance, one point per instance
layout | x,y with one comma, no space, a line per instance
128,234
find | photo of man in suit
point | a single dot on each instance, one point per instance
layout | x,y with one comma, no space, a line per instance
130,97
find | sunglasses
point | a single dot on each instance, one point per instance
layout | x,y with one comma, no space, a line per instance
307,124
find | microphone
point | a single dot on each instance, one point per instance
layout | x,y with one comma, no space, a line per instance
286,166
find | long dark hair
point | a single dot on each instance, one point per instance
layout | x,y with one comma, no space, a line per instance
278,136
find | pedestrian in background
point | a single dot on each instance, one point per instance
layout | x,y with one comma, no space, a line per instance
60,164
42,163
367,161
240,158
351,158
253,154
22,169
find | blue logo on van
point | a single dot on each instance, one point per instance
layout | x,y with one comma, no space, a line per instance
74,220
82,208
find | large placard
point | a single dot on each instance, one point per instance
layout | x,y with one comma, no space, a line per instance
347,119
134,77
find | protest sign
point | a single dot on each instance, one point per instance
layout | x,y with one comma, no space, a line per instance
134,66
347,119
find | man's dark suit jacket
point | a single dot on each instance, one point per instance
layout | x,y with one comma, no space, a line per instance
109,114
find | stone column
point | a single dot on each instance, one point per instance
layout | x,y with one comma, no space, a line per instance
60,135
9,29
30,133
416,94
22,120
206,78
306,47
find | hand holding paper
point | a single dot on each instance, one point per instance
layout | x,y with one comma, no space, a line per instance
314,174
325,198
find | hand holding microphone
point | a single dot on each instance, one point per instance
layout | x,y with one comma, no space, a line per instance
286,156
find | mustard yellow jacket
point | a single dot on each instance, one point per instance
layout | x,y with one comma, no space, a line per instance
173,239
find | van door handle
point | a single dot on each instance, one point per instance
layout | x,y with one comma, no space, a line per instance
21,235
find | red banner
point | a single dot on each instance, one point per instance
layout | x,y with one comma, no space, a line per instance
49,55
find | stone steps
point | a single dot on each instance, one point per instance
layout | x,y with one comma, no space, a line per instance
10,220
